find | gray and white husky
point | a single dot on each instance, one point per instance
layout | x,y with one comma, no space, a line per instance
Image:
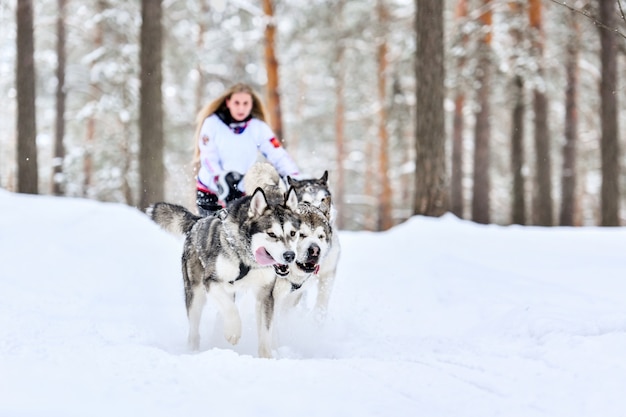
317,242
316,192
235,249
314,245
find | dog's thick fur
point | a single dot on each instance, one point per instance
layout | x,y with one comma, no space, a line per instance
235,248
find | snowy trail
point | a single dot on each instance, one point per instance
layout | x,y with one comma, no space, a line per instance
436,317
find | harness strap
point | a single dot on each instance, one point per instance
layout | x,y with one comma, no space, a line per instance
243,271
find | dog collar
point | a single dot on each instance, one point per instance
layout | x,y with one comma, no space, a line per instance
222,214
296,287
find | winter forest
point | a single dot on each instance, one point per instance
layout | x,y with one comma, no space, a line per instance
499,111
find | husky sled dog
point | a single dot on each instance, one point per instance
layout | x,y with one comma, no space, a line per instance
234,249
316,243
316,192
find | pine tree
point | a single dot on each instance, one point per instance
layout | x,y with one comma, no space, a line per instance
431,185
27,169
151,167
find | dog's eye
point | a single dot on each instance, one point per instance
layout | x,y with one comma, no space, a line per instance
272,235
293,233
303,235
321,237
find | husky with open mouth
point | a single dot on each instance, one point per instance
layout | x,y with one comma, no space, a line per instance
235,249
314,245
318,247
316,192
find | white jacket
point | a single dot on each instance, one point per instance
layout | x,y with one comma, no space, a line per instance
222,150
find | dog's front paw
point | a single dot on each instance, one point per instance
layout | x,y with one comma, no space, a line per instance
232,330
265,352
232,338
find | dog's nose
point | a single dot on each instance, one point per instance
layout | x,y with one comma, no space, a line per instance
289,256
314,251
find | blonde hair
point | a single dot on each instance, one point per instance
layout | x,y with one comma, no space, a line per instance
258,112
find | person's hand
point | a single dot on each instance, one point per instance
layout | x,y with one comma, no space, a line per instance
227,186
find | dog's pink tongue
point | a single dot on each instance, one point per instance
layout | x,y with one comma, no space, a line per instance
263,257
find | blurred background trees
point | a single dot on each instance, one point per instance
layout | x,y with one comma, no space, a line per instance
531,110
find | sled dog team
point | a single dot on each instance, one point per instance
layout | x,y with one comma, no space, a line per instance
276,240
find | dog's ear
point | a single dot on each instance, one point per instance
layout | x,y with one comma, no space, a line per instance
282,187
291,200
258,203
324,177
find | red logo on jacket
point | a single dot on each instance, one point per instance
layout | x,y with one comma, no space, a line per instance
275,142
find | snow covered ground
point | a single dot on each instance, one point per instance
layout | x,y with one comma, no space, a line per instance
436,317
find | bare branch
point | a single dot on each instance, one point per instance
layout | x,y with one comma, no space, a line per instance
588,16
621,10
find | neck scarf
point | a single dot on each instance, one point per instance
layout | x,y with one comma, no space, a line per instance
236,126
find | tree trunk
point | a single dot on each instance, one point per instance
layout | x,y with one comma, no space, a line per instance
94,93
569,176
58,181
204,10
370,220
385,220
482,134
456,187
542,214
518,205
338,70
543,177
27,170
456,182
610,192
518,194
271,65
200,91
431,188
340,115
151,167
127,162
